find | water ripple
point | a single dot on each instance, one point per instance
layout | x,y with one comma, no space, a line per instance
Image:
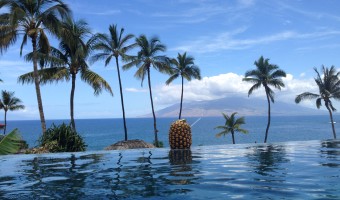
293,170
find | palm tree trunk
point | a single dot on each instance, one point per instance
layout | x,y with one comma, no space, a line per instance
268,124
122,99
232,135
153,110
180,109
73,124
5,122
332,121
37,84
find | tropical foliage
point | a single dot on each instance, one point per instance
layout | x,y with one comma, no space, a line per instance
68,60
232,125
10,143
9,102
37,20
147,57
114,45
329,87
30,19
185,68
265,75
62,138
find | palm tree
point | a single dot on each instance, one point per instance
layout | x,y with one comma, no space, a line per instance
329,87
9,102
265,74
231,125
146,58
113,46
31,19
185,68
70,59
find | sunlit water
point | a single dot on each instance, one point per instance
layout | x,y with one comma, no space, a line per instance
291,170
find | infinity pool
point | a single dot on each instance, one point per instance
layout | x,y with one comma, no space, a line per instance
293,170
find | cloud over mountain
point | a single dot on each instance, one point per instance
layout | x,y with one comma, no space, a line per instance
230,84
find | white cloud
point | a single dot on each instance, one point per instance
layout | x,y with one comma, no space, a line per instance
228,40
231,84
202,11
295,87
208,88
309,14
135,90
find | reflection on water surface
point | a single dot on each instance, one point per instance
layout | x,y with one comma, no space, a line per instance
294,170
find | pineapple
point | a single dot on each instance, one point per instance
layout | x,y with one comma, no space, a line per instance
178,156
180,135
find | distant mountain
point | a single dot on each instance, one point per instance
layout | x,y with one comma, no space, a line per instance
243,106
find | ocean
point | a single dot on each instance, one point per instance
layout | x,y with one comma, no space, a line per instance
100,133
297,163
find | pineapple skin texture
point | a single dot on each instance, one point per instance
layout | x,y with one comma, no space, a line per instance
180,135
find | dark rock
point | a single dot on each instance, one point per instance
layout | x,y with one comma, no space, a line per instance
130,144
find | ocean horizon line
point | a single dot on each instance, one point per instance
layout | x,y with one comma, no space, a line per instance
175,117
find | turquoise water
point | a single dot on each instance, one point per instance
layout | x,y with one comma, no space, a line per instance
289,170
100,133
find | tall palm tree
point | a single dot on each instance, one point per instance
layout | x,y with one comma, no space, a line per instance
329,87
265,74
31,19
113,46
231,125
147,57
70,59
9,102
185,68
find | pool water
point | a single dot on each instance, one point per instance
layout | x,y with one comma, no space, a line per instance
291,170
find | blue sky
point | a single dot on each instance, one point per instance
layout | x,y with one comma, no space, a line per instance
224,37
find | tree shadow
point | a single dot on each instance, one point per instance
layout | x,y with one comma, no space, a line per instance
267,159
330,152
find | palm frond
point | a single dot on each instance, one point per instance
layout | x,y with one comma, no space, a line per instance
225,132
10,143
265,74
254,87
305,95
318,102
133,62
47,75
270,93
240,120
172,78
242,130
277,83
23,43
231,124
278,74
331,106
252,80
17,107
141,72
95,81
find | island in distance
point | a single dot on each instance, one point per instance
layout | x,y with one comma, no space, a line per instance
243,106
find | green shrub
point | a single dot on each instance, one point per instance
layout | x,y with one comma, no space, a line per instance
159,145
62,139
23,144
